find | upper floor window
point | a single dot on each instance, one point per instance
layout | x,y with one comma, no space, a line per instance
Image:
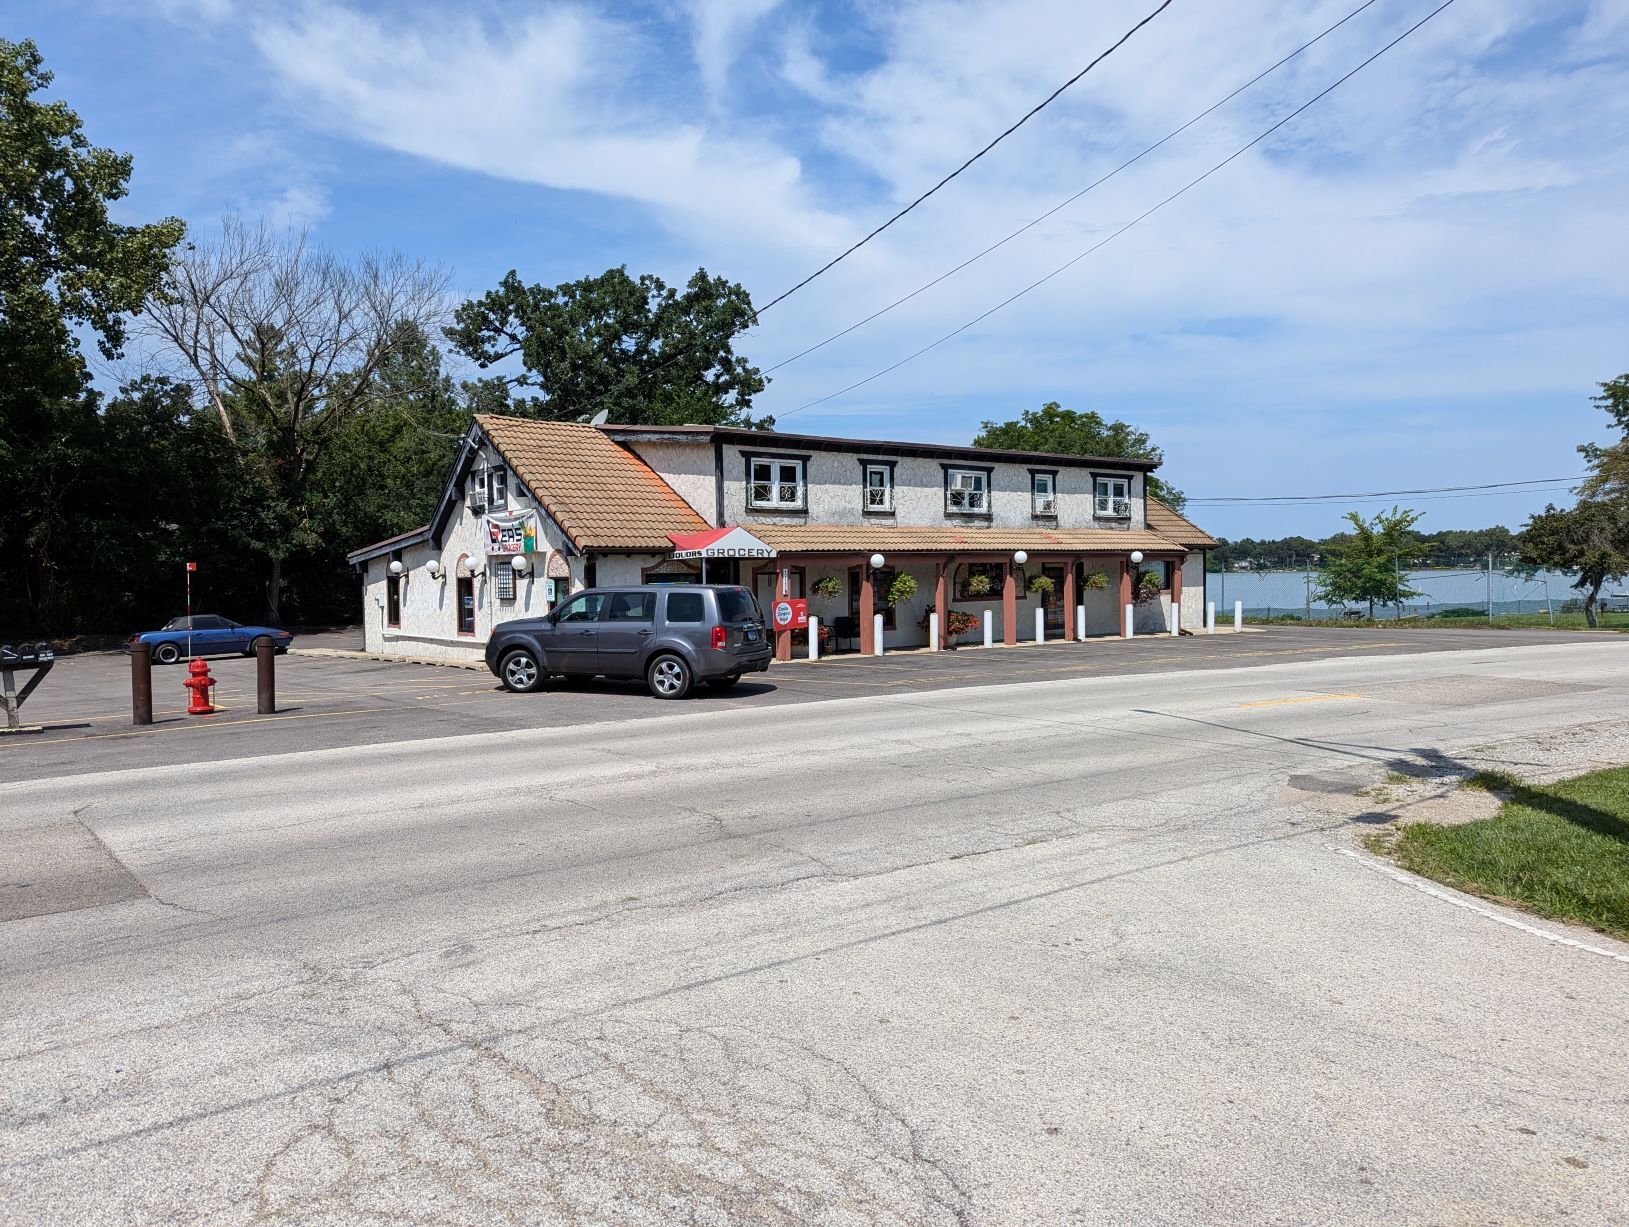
489,487
1114,497
776,483
1043,494
879,487
967,491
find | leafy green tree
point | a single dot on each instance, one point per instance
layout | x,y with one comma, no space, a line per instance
64,266
1609,465
1070,432
1591,538
640,351
1370,564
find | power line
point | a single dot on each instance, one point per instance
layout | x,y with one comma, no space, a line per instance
1030,225
1034,111
1221,500
1133,222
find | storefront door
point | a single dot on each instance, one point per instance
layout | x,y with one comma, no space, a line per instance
1052,602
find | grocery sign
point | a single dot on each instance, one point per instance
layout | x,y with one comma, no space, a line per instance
512,533
728,542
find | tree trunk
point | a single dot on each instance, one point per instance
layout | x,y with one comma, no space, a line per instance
1590,597
274,593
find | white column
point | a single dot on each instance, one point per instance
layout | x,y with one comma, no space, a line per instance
933,630
1131,621
1238,615
1080,622
876,633
1040,625
989,628
1210,617
814,638
1176,618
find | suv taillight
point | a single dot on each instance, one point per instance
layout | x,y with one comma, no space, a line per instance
718,637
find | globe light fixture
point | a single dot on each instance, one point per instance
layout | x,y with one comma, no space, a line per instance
1020,557
520,564
434,568
877,561
395,566
1136,556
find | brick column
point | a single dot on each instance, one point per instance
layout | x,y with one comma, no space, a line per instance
1176,589
1125,595
1009,606
940,605
783,639
1069,600
868,611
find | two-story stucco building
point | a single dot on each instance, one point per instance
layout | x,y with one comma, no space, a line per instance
534,510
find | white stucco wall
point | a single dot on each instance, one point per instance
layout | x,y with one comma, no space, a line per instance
688,468
429,622
836,491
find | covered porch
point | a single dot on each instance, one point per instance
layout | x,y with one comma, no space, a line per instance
906,588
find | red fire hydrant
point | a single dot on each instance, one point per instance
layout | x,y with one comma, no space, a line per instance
202,687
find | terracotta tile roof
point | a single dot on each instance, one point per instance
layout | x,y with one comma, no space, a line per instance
601,494
1168,522
955,539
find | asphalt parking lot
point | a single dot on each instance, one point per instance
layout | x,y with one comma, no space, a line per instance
336,700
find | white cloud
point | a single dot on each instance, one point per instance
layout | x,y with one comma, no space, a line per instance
561,98
720,26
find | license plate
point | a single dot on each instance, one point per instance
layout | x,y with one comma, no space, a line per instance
752,635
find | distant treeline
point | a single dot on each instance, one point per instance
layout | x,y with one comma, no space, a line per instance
1450,548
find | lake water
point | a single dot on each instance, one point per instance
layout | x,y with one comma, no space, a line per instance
1265,593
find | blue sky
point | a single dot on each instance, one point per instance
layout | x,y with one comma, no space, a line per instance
1417,283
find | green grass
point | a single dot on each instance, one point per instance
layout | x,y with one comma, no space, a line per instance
1561,850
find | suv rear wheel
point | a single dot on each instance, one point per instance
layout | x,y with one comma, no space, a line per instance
520,672
668,677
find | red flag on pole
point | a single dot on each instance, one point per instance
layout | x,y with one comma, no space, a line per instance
192,566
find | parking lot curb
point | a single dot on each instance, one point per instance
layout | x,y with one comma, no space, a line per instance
392,658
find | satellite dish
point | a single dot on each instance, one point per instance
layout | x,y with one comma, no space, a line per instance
600,418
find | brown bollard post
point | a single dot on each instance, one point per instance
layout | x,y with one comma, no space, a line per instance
141,684
265,678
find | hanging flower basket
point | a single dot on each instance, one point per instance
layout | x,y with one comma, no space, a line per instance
1096,581
1042,585
978,585
827,588
901,590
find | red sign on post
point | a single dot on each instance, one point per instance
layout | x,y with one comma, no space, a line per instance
192,566
791,614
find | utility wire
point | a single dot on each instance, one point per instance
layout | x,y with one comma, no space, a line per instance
1220,500
1032,113
1030,225
638,377
1133,222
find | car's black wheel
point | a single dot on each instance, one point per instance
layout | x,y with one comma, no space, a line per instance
255,646
724,683
520,671
668,677
166,653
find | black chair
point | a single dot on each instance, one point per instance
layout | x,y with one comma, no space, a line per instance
844,629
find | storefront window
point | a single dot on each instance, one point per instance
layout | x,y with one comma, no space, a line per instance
466,604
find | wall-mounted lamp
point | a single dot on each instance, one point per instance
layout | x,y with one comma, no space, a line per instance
877,561
1020,557
472,566
396,566
520,564
434,568
1136,556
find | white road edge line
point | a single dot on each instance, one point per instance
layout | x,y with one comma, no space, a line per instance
1418,884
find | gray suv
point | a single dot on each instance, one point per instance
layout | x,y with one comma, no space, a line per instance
673,637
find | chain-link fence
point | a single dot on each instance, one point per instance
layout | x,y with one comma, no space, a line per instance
1545,597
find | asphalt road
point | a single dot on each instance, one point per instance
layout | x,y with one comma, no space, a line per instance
1087,950
327,701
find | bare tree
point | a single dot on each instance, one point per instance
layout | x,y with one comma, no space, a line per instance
283,339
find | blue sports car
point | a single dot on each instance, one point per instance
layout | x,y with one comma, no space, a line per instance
207,635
